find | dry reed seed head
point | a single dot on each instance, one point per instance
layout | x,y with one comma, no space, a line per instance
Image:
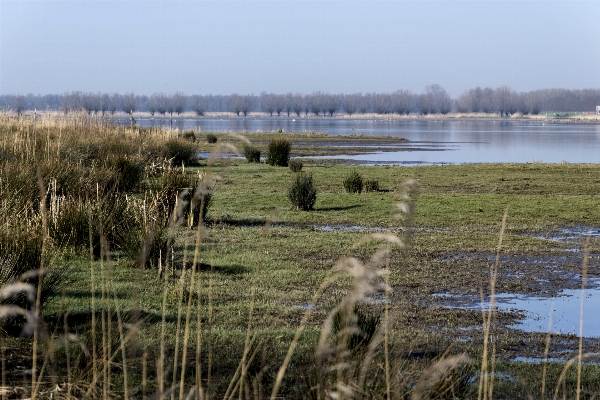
433,374
67,338
13,289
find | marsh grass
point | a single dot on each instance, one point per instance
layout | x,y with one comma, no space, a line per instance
150,307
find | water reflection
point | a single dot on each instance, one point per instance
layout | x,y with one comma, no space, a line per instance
471,141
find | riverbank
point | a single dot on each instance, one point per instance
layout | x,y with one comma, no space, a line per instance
560,117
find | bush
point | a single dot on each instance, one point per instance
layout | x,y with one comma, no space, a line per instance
295,165
211,138
353,183
303,193
252,154
371,186
181,151
189,135
278,152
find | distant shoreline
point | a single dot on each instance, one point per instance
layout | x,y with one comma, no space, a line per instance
556,118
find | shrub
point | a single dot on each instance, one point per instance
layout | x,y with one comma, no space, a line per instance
278,152
353,183
181,151
371,186
252,154
303,193
189,135
295,165
211,138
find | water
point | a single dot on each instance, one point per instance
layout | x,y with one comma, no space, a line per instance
438,142
562,310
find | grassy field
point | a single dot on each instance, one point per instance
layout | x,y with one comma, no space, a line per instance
263,300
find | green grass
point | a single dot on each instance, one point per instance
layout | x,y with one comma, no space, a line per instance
257,277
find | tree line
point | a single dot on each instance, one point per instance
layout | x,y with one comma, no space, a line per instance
502,100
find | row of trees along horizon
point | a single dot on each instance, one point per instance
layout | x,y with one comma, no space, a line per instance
435,100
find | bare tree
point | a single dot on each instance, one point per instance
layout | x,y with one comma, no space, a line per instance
235,104
129,104
198,105
246,104
115,103
351,103
487,100
381,103
19,104
104,103
279,103
364,104
401,102
316,103
268,103
298,104
330,103
289,103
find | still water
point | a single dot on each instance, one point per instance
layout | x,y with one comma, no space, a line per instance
438,142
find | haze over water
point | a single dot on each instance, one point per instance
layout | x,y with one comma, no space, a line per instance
434,142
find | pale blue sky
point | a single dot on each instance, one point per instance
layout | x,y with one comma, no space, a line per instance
222,47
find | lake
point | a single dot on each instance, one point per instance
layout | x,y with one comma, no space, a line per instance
438,142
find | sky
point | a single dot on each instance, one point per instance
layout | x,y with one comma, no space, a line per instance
224,47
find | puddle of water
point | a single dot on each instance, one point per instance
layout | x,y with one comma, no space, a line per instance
564,310
569,234
349,228
538,360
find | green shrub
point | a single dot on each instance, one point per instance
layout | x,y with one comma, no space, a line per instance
181,152
295,165
252,154
188,135
278,152
353,183
371,186
303,193
211,138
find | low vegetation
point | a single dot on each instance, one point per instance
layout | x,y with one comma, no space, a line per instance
295,165
252,154
303,193
278,152
145,294
353,183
